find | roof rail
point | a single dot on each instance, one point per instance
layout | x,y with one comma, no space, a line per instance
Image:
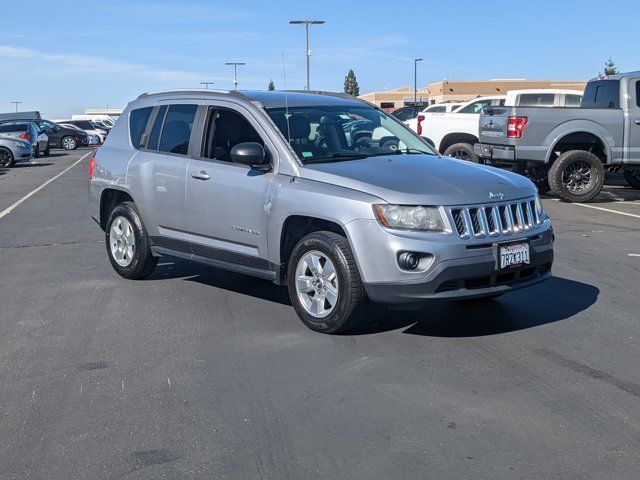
322,92
186,90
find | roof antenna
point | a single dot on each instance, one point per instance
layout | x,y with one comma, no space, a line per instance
286,104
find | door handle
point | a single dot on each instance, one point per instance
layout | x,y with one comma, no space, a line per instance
637,121
202,175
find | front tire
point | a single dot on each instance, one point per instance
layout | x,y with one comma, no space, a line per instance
462,151
127,242
576,176
633,178
69,143
6,158
324,284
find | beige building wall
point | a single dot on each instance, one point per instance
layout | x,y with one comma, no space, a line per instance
461,91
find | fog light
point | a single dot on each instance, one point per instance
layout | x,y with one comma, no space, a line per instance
408,261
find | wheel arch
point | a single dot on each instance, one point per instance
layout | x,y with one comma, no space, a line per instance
457,137
579,135
109,198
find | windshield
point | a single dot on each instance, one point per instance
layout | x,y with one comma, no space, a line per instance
343,132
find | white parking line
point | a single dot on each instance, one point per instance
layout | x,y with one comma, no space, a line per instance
8,210
607,210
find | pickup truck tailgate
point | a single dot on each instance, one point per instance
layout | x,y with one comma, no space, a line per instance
493,126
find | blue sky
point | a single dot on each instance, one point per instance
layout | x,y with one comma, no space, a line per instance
90,54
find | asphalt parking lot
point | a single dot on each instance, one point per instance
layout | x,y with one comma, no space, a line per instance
199,373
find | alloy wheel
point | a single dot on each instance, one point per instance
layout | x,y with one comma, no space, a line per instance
317,284
5,158
68,143
577,177
122,241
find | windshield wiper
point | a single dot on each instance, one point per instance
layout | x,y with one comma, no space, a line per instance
335,157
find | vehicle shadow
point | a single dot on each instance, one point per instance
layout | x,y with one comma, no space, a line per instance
552,301
18,166
615,189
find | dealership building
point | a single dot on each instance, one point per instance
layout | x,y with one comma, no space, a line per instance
460,91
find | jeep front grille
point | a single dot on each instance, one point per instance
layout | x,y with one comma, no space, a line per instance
495,220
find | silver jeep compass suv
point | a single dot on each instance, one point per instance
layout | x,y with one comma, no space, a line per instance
320,192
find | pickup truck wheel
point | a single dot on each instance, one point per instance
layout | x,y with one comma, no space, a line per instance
128,244
462,151
576,176
324,284
632,177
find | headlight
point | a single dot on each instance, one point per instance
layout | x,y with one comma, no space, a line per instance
539,209
403,217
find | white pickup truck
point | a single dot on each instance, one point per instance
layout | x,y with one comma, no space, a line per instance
454,134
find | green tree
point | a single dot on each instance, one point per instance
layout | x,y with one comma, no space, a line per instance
351,84
272,86
610,68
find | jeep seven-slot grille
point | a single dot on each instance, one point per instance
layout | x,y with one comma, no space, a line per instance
495,220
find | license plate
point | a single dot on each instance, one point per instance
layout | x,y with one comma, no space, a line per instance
513,255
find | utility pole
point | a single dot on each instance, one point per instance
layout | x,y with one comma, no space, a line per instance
306,23
415,80
206,84
16,104
235,72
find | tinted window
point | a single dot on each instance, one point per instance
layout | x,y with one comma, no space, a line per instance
138,119
14,128
86,125
572,100
602,94
176,131
536,99
638,94
439,109
226,129
403,114
154,138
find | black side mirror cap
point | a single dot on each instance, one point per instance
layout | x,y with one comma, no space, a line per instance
251,154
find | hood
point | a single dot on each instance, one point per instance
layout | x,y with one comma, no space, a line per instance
422,179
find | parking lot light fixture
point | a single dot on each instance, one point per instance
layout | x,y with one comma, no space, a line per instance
306,23
206,84
16,104
235,72
415,80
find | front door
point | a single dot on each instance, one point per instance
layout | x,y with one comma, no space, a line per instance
227,203
632,134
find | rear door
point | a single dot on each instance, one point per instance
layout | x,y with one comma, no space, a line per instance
227,203
632,127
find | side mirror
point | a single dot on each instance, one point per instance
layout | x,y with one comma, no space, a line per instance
251,154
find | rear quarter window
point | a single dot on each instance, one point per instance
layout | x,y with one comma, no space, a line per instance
138,119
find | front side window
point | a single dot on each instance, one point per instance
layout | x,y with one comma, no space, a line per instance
224,130
176,131
326,133
138,119
475,107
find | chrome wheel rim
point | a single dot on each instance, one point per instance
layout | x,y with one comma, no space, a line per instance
122,241
317,284
68,143
578,177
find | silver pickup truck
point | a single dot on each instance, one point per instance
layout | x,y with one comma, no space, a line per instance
567,150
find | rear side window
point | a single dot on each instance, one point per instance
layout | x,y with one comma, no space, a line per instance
138,119
572,100
602,94
157,128
536,99
14,128
475,107
176,131
638,94
437,109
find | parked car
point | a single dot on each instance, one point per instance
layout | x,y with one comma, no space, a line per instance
405,113
105,121
454,134
239,181
27,131
14,150
568,149
63,137
87,126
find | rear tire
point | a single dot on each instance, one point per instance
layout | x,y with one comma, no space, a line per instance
127,242
576,176
633,178
462,151
333,290
6,158
69,143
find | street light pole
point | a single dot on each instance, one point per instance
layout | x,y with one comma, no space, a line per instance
415,80
235,72
16,104
306,24
206,84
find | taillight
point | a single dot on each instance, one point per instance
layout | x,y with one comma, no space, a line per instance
420,120
25,136
92,167
515,126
